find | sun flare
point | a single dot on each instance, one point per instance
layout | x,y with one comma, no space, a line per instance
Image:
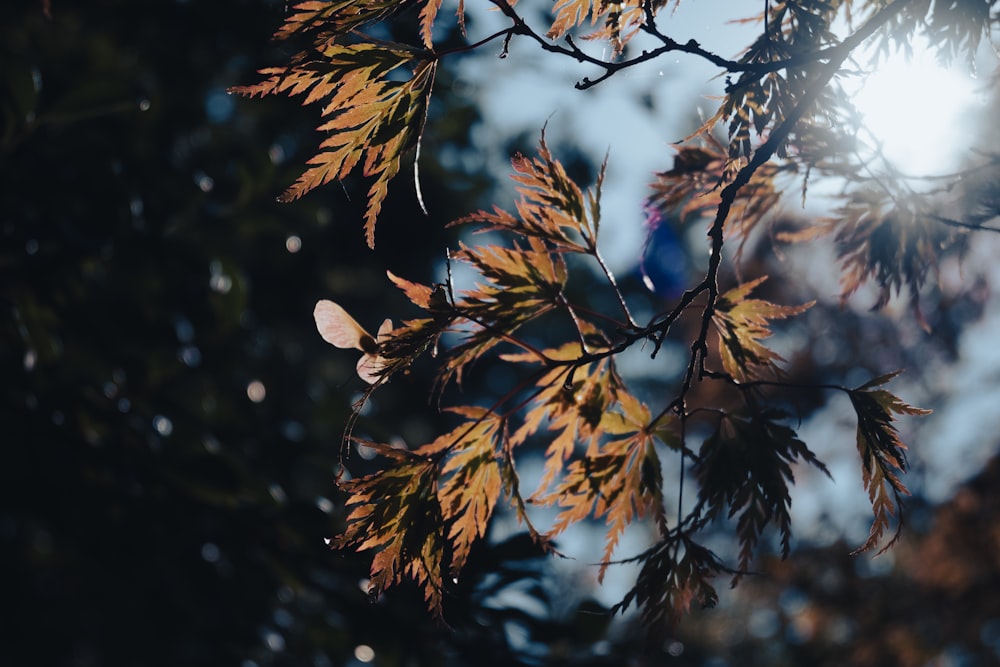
919,111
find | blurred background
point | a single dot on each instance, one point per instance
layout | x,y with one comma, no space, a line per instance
171,422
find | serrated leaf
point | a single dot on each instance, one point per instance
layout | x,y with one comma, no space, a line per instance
741,322
395,513
551,206
373,120
745,470
675,574
692,190
883,456
472,481
620,21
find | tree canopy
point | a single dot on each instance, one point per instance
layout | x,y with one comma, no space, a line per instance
783,119
177,262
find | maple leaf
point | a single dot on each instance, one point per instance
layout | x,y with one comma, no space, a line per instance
692,189
880,239
618,480
551,206
449,486
620,20
335,17
373,120
521,285
741,322
332,19
883,455
473,483
570,403
674,574
395,512
745,468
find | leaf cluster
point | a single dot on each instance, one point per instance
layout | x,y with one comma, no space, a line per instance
604,446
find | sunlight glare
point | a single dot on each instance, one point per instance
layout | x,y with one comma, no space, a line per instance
919,110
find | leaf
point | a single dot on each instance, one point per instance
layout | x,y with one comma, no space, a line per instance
883,455
373,120
881,238
521,285
675,573
333,19
395,513
745,469
692,190
572,406
620,20
336,17
446,487
551,206
472,481
741,323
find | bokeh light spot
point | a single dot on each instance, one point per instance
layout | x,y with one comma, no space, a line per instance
364,653
256,391
163,425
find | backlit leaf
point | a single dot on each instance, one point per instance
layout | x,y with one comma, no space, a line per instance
883,455
373,119
741,323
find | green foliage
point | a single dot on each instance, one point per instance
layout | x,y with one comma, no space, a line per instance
779,122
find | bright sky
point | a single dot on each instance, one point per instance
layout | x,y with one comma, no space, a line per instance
920,111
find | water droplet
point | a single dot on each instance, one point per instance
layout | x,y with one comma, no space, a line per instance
144,104
163,425
135,206
293,244
36,79
124,405
256,391
30,359
364,653
184,329
110,389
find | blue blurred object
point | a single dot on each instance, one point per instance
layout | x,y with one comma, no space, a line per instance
663,265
